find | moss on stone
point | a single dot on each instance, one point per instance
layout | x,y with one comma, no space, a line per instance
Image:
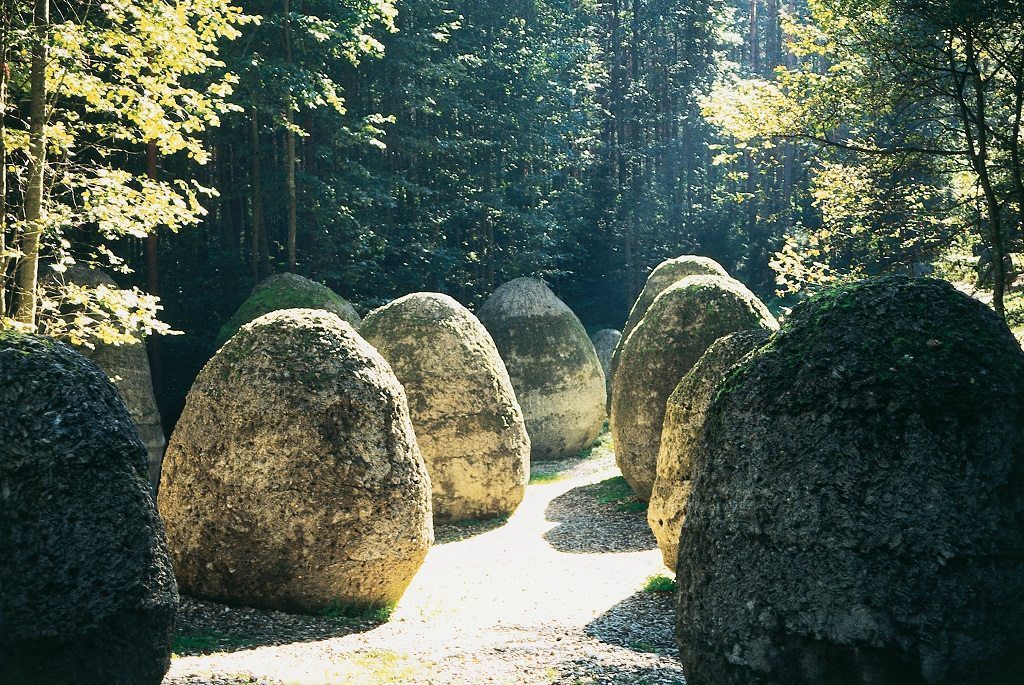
664,275
287,291
468,422
861,481
679,326
552,363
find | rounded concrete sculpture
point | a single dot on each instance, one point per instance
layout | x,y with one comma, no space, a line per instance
665,274
684,419
288,291
605,342
293,480
857,499
468,423
681,324
87,594
128,367
553,365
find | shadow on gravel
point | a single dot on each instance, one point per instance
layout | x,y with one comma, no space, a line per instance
206,627
580,671
457,531
599,518
643,622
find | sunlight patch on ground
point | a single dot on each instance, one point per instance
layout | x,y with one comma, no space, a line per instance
470,595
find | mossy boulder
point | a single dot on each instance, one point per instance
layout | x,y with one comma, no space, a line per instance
128,367
684,418
288,291
605,342
858,498
665,274
553,365
679,327
293,480
468,423
87,594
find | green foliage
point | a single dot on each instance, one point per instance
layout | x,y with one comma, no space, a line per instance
358,612
277,295
121,75
544,477
905,112
616,491
660,583
206,642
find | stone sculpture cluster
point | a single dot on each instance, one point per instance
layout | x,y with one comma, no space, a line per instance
841,498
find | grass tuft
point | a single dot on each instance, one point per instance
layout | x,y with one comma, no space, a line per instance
616,491
660,583
209,642
542,477
357,612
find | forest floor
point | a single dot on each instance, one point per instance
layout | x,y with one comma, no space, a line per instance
558,593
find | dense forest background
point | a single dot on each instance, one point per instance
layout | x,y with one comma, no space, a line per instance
385,147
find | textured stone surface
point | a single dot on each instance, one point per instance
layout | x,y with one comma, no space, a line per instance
858,498
128,367
288,291
86,589
553,365
467,420
605,342
292,479
684,418
665,274
679,326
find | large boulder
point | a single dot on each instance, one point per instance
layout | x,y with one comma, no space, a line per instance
87,594
468,423
665,274
553,365
684,418
679,326
287,291
128,367
858,499
605,341
293,480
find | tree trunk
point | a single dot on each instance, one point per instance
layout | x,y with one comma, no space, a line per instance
975,128
292,201
5,28
258,246
28,265
156,367
289,138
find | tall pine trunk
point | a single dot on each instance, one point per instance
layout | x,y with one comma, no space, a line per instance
5,34
289,138
258,244
28,265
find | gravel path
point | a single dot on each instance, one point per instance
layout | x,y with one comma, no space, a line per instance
553,595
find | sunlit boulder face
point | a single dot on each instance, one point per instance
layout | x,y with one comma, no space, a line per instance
87,594
684,418
288,291
553,365
676,331
665,274
857,499
467,420
293,480
128,367
605,342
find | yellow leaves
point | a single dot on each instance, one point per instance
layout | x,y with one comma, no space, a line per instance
103,314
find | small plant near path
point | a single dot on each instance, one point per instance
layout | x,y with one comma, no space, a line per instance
660,583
